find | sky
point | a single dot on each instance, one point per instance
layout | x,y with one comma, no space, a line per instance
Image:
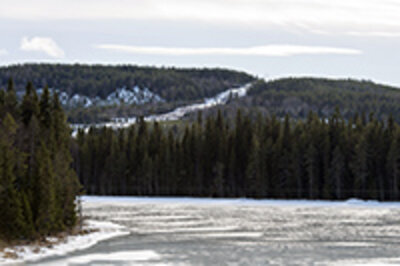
268,38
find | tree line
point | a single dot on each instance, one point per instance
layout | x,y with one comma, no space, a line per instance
246,156
38,186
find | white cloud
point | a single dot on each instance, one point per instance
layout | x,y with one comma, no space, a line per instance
267,50
374,34
3,52
339,16
42,44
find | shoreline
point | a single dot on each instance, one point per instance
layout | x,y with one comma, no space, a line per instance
351,202
98,231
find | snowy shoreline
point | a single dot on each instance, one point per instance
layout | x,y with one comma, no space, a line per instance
89,200
100,231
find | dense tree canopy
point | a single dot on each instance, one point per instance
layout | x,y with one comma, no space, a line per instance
172,84
248,156
37,184
299,96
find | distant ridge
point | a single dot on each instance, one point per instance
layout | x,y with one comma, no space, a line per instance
170,84
300,96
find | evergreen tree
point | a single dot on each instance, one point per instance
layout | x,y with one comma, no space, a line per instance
66,181
45,109
2,103
45,193
10,100
360,169
393,165
255,171
29,106
337,172
12,223
312,170
283,146
37,184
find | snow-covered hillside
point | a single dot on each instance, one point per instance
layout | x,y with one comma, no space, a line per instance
221,98
135,95
178,113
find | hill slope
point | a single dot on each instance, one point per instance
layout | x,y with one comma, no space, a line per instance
171,84
299,96
94,93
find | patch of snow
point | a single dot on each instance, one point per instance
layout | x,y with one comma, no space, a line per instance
365,262
124,256
231,235
224,97
104,230
136,89
221,98
80,100
157,219
63,98
133,96
349,244
52,239
190,230
136,95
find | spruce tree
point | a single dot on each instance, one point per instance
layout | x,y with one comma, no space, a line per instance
11,101
254,173
312,170
65,180
283,147
393,165
360,168
45,109
12,224
29,106
45,193
337,172
2,102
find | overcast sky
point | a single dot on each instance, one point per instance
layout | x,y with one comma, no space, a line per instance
269,38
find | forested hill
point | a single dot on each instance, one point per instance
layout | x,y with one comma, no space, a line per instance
299,96
171,84
126,91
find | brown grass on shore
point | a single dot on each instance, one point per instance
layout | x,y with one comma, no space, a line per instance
41,242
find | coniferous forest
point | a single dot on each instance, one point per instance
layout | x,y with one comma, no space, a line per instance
172,84
261,157
38,187
245,155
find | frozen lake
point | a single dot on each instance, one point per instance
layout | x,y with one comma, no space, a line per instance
241,232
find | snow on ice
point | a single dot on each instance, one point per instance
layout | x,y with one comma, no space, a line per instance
100,231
